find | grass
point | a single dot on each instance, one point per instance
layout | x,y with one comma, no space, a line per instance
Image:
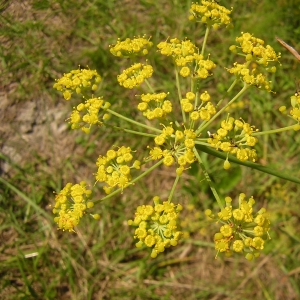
40,40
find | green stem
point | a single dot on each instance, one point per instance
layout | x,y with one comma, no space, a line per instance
196,100
206,124
209,181
133,181
179,94
132,121
202,143
132,131
249,164
273,130
173,188
192,84
149,86
232,86
205,39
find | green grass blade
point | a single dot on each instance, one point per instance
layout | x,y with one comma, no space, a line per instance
26,199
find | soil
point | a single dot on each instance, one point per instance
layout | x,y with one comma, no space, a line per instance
33,129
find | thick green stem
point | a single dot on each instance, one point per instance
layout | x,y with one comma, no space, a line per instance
131,182
209,181
249,164
202,143
132,121
206,124
173,188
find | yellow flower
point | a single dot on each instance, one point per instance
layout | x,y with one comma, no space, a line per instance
70,205
77,80
157,225
155,106
240,226
135,75
261,56
114,169
131,47
210,13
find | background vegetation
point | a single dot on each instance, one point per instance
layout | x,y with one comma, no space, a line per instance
42,39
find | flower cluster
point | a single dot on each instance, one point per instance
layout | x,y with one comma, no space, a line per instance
242,230
175,147
114,169
255,50
155,106
71,204
295,111
157,226
185,54
202,112
77,80
131,47
233,137
181,51
250,76
257,57
135,75
88,113
210,13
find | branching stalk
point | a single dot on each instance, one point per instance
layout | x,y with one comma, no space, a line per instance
132,121
132,182
209,181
